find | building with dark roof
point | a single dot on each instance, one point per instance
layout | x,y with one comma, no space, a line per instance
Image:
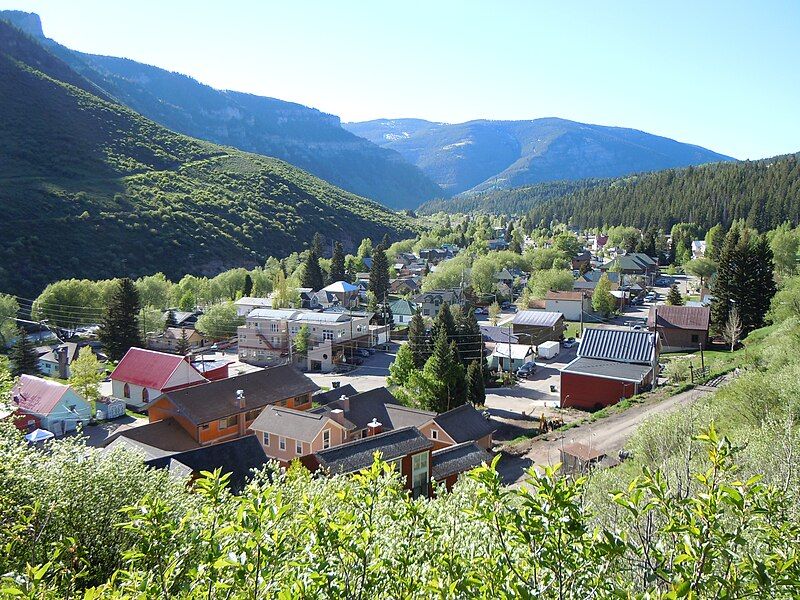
336,393
450,462
611,364
680,328
224,409
459,425
238,458
406,448
533,327
286,434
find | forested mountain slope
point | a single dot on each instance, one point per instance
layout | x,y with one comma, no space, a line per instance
89,188
484,155
302,136
765,193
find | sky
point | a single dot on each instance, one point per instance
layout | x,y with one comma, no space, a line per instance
724,75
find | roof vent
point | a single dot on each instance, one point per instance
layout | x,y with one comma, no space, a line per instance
240,398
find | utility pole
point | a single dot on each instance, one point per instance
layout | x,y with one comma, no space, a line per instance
583,295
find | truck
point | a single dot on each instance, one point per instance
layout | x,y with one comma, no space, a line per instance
547,350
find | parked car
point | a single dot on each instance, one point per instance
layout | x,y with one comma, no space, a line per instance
363,352
637,301
505,305
569,342
526,370
663,281
481,311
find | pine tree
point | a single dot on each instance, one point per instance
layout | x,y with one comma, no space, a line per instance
119,331
23,356
312,273
170,321
318,244
379,273
182,347
476,387
338,272
469,339
444,320
418,340
674,297
443,368
248,285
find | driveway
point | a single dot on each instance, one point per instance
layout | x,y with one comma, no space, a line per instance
367,376
608,434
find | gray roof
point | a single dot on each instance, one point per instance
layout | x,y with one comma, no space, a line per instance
537,318
457,459
495,333
464,424
625,345
359,454
287,422
154,439
217,399
377,404
608,369
334,394
316,317
237,457
403,416
277,314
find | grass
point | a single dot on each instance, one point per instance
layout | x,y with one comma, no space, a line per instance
572,330
134,414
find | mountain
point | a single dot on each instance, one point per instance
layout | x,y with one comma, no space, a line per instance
483,155
90,188
302,136
764,193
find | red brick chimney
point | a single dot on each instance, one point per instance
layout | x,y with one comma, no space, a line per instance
374,428
337,414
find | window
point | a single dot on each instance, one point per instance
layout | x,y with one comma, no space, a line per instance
266,438
145,395
326,439
327,334
204,426
126,391
282,443
298,447
419,474
434,434
695,338
426,312
273,327
228,423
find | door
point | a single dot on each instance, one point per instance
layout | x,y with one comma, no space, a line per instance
420,474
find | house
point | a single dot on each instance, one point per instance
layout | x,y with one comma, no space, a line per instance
339,293
407,449
433,256
401,286
495,334
633,265
143,375
171,338
599,243
266,337
185,318
460,425
402,311
51,405
56,361
537,326
698,248
680,328
218,410
519,353
611,364
497,244
247,303
286,433
321,398
237,458
582,260
428,303
449,462
153,440
571,304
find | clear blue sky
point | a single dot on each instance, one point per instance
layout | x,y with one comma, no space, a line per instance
725,75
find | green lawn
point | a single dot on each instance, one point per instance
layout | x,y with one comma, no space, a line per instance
573,327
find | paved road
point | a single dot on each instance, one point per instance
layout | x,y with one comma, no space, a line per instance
608,434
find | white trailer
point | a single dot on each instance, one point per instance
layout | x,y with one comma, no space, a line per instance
547,350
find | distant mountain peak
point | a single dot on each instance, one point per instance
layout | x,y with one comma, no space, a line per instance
30,23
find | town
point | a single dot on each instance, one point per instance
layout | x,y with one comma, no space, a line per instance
436,357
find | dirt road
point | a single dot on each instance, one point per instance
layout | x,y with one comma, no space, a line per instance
608,434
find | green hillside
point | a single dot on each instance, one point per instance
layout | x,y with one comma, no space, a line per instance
765,193
90,188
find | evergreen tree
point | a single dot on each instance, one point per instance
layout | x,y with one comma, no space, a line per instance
469,339
182,346
338,272
444,320
247,288
401,368
674,297
715,240
379,273
443,368
476,387
312,273
170,321
24,360
119,331
418,341
318,244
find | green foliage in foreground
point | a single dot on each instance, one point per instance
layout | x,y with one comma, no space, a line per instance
93,189
291,536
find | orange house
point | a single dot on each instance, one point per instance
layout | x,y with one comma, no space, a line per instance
225,409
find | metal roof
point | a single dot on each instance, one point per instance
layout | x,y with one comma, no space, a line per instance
273,313
608,369
537,318
315,317
681,317
624,345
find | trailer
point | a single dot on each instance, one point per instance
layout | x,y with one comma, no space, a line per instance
547,350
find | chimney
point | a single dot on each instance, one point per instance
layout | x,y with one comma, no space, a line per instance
240,399
345,401
374,428
61,355
337,414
